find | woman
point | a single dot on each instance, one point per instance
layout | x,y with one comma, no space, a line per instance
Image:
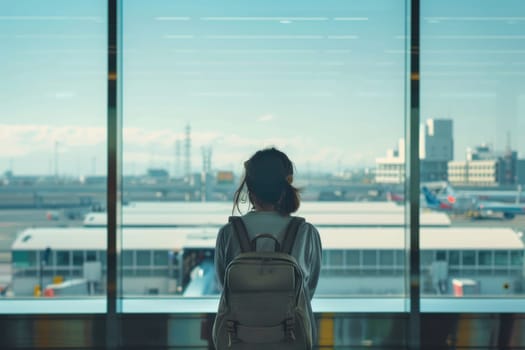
267,183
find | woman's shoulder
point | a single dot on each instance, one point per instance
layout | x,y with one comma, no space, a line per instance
225,227
305,223
307,226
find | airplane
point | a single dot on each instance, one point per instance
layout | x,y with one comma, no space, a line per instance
433,202
508,210
442,197
498,196
53,215
471,204
431,197
394,197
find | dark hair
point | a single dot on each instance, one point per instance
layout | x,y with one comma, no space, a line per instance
268,176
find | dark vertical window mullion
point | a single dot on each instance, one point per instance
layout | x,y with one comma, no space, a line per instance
414,336
112,326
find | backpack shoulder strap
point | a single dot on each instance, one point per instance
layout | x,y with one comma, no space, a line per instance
291,233
242,235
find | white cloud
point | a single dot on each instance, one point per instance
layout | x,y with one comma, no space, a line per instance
142,137
20,140
265,118
151,158
36,143
166,138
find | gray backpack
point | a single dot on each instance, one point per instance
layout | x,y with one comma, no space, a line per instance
263,305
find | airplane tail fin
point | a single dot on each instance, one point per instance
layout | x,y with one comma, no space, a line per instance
433,201
394,197
430,198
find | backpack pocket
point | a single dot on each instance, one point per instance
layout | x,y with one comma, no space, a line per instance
265,276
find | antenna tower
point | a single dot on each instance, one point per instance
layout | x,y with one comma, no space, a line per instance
206,159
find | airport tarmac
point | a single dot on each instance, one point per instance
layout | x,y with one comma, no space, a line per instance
517,223
13,221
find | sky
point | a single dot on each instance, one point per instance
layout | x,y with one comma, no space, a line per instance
323,80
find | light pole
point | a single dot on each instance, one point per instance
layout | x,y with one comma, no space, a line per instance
43,261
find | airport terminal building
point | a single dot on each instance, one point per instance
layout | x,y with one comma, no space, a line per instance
363,254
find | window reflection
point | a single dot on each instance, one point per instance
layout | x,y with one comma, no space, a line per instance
468,258
160,258
485,258
386,258
78,258
63,258
352,258
143,258
127,258
369,258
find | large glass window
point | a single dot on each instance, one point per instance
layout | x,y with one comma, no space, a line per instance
471,149
208,83
160,258
63,258
485,258
336,258
369,258
386,258
53,114
205,84
143,258
352,258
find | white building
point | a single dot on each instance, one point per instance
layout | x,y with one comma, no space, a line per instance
473,172
484,167
391,169
436,147
360,261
